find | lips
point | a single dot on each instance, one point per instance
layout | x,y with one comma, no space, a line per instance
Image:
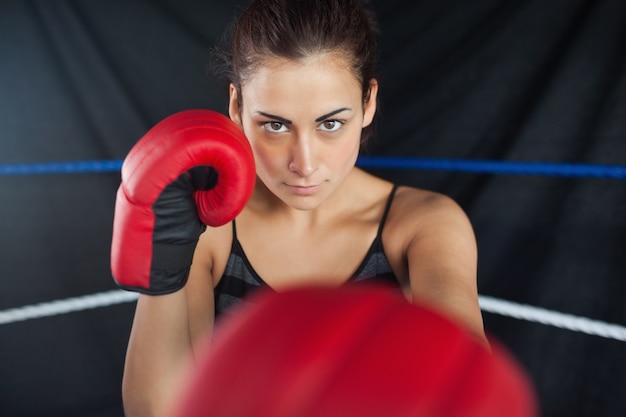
303,189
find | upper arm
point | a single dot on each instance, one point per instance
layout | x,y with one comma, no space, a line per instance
442,263
199,290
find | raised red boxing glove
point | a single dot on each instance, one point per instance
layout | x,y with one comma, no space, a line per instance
350,351
192,169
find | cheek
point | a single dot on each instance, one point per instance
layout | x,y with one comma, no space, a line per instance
341,158
350,149
268,159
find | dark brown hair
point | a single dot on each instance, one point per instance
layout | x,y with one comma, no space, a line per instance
296,29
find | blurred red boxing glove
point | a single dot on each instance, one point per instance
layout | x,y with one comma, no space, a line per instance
359,351
192,169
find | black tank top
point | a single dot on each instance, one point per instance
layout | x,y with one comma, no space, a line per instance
240,279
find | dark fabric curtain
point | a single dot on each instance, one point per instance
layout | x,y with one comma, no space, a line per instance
486,79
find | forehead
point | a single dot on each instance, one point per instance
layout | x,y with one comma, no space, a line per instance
319,77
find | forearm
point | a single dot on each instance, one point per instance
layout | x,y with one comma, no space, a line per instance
158,352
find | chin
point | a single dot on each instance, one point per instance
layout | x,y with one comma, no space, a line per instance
303,203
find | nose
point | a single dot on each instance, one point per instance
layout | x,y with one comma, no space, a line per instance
302,159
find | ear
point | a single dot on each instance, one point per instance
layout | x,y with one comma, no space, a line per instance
234,105
369,107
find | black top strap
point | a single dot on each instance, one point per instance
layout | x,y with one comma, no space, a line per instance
387,207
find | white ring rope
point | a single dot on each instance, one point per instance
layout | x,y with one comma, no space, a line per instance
67,305
487,304
552,318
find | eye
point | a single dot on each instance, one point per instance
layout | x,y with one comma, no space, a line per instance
330,125
274,127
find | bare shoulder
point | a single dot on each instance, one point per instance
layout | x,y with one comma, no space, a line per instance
418,212
437,228
422,224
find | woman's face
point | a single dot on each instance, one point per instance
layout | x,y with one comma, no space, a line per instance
303,120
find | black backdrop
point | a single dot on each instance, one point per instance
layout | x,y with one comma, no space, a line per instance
509,80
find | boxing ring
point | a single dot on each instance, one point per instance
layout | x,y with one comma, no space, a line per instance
495,80
490,305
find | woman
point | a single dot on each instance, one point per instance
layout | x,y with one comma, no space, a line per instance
304,92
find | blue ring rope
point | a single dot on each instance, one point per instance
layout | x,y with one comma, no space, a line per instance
78,167
578,170
381,162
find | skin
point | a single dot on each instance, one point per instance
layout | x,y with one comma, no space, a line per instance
303,120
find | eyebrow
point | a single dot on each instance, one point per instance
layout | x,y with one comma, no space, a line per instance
274,117
332,113
289,122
